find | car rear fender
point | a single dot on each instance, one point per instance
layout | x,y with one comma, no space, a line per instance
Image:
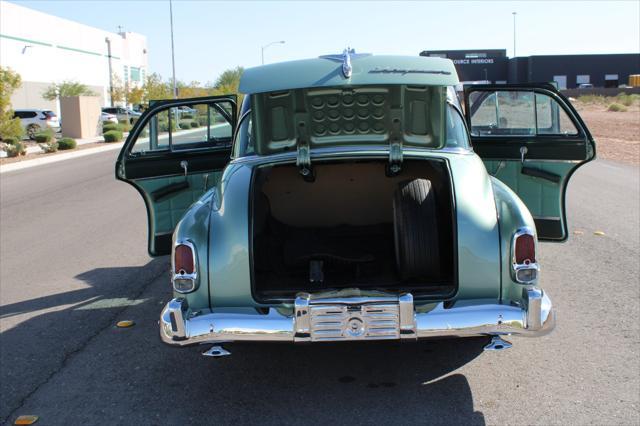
513,214
477,229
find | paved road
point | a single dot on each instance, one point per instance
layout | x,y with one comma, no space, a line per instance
72,244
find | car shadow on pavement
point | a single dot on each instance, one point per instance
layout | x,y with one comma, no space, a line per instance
364,382
106,374
39,334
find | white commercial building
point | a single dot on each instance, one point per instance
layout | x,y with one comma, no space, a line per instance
45,49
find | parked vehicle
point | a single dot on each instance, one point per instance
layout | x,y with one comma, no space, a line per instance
358,202
105,116
37,120
123,113
585,86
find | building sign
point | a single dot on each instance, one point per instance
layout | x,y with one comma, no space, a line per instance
473,61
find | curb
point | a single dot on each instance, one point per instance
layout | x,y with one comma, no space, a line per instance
58,157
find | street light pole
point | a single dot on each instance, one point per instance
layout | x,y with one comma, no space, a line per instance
270,44
173,58
108,41
514,33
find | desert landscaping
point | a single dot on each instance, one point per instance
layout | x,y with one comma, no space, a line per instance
615,129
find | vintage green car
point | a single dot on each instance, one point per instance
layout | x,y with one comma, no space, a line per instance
351,199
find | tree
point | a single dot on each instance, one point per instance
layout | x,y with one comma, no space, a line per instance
67,88
229,81
10,127
154,88
118,90
135,95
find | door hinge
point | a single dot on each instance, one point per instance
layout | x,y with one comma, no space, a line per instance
303,157
395,146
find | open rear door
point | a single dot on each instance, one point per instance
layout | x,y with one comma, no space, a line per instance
531,138
174,154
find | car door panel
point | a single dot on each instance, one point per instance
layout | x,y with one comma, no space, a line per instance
535,160
172,164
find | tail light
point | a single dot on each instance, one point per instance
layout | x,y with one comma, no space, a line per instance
184,267
524,266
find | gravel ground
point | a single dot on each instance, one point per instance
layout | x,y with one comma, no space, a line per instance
617,134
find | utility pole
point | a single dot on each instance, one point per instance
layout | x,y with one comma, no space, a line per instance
514,33
173,58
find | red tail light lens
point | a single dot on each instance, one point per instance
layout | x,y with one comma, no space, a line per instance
183,260
525,252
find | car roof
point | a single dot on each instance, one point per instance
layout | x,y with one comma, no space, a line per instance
30,110
328,71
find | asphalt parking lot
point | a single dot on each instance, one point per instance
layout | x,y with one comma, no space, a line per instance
73,249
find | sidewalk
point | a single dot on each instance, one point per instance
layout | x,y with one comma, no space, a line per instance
61,156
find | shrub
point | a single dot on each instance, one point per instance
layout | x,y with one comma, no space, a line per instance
123,126
110,126
112,136
194,124
10,140
202,120
123,121
626,100
49,147
67,143
164,126
185,124
44,136
591,99
187,116
16,149
616,108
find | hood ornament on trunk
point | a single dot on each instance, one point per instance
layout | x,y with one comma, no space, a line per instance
347,55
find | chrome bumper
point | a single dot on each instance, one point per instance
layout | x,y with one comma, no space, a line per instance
356,318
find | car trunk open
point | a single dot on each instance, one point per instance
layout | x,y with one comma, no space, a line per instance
340,230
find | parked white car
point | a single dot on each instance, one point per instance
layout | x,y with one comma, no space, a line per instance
122,113
105,116
37,120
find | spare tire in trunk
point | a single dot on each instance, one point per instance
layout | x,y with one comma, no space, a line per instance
416,230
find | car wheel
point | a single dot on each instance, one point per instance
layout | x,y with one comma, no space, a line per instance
415,224
32,129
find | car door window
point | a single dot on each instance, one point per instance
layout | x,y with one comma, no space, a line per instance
176,129
517,113
551,119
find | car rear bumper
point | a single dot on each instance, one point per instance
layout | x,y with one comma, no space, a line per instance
382,317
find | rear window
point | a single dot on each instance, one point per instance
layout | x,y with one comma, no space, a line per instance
25,114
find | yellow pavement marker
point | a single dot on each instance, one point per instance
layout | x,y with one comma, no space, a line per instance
599,233
125,324
26,420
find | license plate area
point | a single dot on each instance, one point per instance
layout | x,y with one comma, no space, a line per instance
326,319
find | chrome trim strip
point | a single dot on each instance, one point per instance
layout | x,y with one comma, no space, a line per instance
382,151
535,318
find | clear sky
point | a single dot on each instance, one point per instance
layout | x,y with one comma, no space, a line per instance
211,36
